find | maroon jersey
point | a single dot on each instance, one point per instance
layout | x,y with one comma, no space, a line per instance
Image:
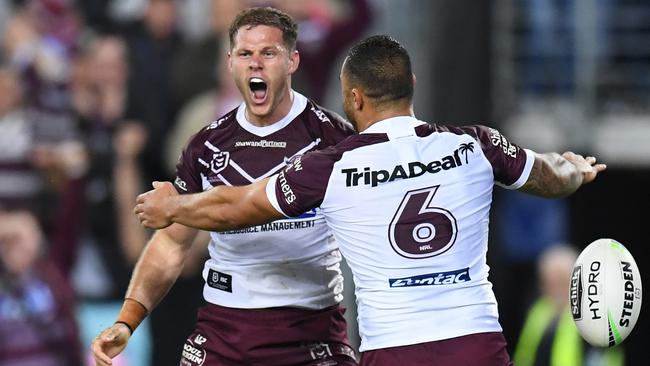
290,262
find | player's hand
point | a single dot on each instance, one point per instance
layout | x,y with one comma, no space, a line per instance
110,343
153,207
587,166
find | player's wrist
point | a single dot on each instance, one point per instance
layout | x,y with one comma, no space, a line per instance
173,208
133,312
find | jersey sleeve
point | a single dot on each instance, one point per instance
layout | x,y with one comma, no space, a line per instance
187,178
301,186
332,127
511,163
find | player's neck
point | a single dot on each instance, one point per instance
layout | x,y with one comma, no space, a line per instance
276,114
375,116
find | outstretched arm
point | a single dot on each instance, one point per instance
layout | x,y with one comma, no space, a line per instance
221,208
554,175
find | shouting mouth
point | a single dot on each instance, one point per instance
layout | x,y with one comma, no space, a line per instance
258,89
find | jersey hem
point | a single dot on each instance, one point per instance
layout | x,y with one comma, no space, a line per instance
412,341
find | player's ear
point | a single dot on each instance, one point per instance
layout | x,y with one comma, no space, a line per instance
357,99
294,61
414,79
229,61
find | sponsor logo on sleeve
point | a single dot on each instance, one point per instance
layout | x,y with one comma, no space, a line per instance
498,139
289,196
294,163
216,123
180,184
320,115
432,279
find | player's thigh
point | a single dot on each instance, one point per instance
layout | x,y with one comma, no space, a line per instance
485,349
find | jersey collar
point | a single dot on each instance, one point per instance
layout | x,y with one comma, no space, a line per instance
395,127
299,104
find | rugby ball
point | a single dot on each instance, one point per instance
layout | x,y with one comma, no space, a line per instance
605,293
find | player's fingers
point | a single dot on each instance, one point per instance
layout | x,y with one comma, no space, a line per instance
600,167
568,155
140,198
156,184
591,160
100,357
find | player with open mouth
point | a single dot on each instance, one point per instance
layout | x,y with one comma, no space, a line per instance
260,66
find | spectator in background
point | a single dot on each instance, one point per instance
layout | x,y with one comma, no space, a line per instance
112,240
37,323
153,44
549,335
195,71
326,31
19,179
40,43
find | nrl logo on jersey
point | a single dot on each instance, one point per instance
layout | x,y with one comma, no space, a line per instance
219,161
354,177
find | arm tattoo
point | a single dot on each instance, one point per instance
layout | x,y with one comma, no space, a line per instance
550,177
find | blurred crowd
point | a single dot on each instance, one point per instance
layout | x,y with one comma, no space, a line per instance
97,99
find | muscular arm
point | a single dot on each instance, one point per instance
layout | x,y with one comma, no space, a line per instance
554,175
156,271
160,264
221,208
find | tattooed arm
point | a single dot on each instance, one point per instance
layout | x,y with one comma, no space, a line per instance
555,175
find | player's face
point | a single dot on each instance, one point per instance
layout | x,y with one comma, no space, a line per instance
261,65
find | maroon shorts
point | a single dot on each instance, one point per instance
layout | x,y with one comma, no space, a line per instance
482,349
270,337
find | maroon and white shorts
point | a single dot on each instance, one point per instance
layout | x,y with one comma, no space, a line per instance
484,349
270,337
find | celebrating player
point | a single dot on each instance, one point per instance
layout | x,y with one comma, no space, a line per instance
409,204
273,291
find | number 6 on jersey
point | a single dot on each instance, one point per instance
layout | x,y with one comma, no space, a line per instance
419,230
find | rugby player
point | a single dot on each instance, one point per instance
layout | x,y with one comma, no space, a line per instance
273,290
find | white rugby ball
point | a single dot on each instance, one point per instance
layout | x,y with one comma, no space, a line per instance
605,293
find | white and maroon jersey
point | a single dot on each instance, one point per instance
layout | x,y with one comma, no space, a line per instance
409,204
291,262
